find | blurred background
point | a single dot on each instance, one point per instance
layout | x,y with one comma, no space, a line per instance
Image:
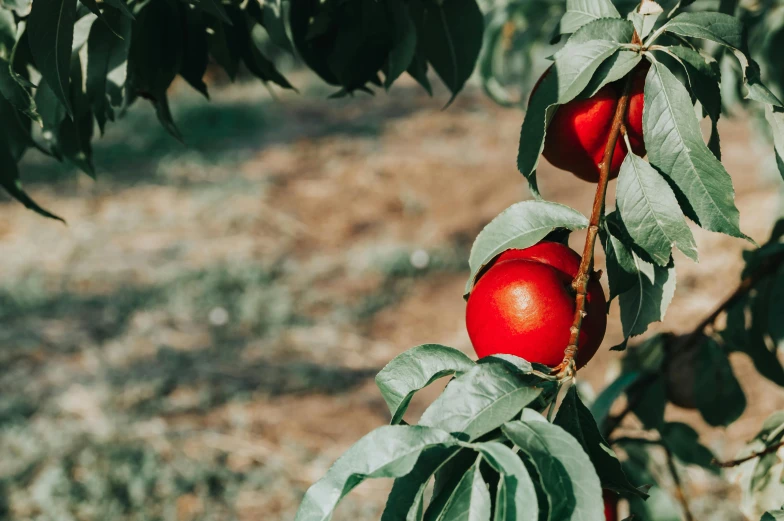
200,341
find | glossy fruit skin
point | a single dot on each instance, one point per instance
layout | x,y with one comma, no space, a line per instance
578,132
524,306
610,505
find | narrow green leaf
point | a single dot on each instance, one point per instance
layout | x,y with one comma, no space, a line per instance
521,225
16,94
644,18
122,6
480,400
272,18
516,495
650,406
404,49
405,501
575,418
565,471
675,146
106,53
612,69
92,5
650,211
51,29
717,393
581,12
648,300
622,271
195,50
576,65
387,452
415,369
470,501
684,443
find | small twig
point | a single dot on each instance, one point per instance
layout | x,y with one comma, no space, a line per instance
678,485
580,283
630,439
736,462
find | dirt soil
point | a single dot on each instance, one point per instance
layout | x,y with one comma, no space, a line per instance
199,342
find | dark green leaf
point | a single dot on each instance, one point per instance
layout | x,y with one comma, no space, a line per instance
405,44
717,393
224,47
773,515
417,368
516,495
195,49
470,500
521,225
106,53
480,400
647,301
775,119
215,8
683,442
675,146
405,501
565,471
622,271
92,5
650,406
450,36
122,6
387,452
16,93
650,211
51,28
273,21
601,406
581,12
575,418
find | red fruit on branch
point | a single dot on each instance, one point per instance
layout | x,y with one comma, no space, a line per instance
578,132
524,306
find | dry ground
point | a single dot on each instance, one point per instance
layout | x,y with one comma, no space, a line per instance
199,342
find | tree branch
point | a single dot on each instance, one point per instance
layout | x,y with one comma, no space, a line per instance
580,282
681,496
736,462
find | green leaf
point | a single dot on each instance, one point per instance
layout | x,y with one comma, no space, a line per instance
9,179
195,50
601,406
405,501
122,6
480,400
516,495
704,79
565,471
258,64
647,301
622,270
776,308
728,31
50,27
470,500
272,18
106,53
775,117
387,452
611,29
575,418
612,69
17,94
450,35
675,146
404,49
581,12
224,47
650,211
415,369
521,225
644,18
773,515
92,5
717,393
683,442
567,77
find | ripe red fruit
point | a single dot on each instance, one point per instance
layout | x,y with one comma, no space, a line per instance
579,130
610,505
524,305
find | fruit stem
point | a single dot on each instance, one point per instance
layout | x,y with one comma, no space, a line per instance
580,283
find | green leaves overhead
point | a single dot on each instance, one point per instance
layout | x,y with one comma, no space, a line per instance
481,400
51,29
387,452
521,225
676,148
650,211
415,369
581,12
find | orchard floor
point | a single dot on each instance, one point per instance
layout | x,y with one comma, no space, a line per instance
199,342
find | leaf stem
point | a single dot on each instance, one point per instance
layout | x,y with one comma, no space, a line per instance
580,283
736,462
